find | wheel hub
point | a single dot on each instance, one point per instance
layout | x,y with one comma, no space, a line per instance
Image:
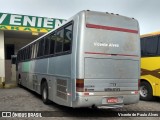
44,94
143,91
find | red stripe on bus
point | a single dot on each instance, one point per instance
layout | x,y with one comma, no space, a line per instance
111,54
111,28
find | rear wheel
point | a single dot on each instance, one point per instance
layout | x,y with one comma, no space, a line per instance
45,93
146,92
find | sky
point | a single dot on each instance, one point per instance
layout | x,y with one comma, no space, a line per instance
145,11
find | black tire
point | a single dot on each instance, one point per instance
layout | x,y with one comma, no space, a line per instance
44,93
146,92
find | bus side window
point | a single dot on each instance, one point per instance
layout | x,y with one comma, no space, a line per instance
52,43
158,45
24,54
143,51
40,47
32,54
27,53
152,46
59,40
46,47
36,50
67,38
29,56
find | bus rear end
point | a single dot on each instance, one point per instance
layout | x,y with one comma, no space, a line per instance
108,62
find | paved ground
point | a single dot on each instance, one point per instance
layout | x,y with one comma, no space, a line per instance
21,99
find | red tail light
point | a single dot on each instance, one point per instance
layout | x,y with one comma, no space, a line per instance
80,85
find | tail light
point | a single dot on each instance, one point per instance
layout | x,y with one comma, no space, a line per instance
80,85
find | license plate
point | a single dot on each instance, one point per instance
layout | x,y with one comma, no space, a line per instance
112,100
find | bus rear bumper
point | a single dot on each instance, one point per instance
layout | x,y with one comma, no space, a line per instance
101,101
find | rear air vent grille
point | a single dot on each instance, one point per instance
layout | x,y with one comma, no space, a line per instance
61,89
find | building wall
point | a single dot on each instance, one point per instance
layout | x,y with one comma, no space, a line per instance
2,68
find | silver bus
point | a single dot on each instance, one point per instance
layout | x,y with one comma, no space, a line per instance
91,60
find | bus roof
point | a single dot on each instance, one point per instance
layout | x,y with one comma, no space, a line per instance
151,34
